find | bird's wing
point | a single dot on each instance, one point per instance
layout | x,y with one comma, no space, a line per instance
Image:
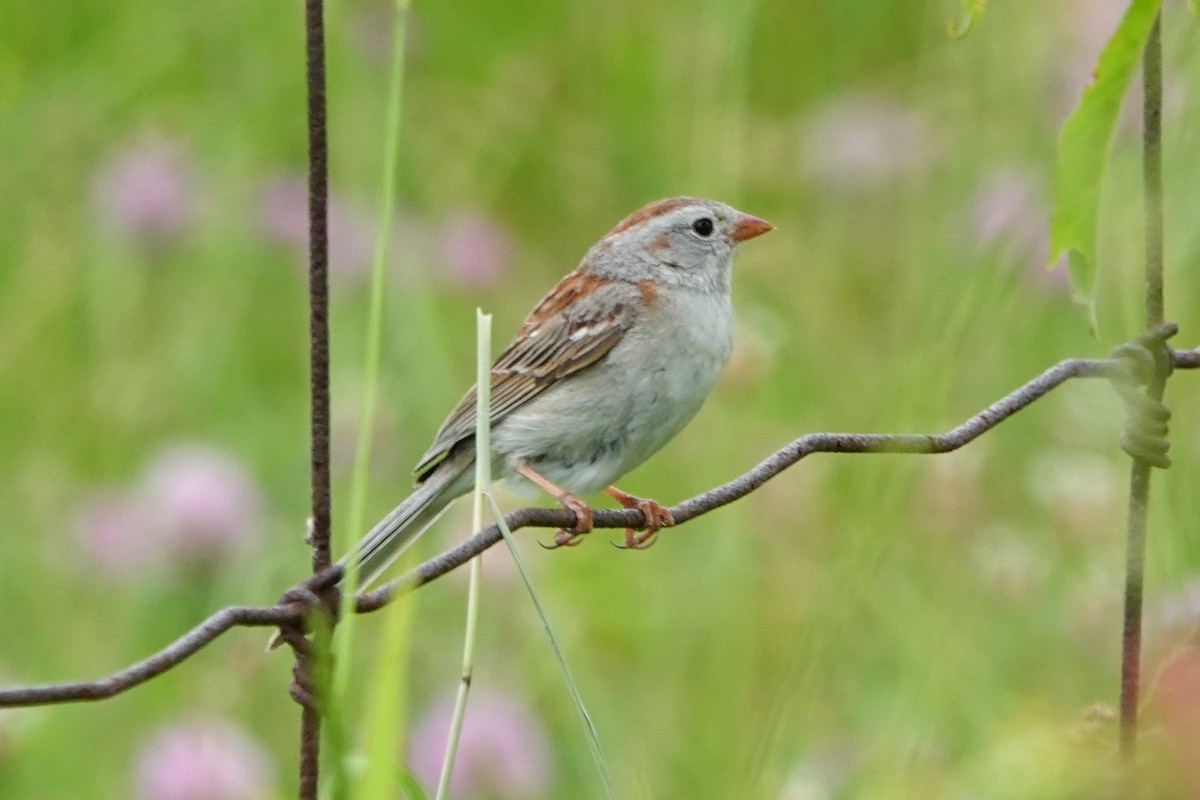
575,325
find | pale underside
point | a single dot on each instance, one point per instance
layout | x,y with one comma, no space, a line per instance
628,394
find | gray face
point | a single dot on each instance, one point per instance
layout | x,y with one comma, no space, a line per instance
683,242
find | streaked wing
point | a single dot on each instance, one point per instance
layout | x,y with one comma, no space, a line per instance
558,338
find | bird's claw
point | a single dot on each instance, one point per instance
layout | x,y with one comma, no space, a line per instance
637,541
564,538
583,523
656,515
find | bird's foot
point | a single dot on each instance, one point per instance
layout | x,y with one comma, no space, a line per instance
657,517
582,511
564,538
583,522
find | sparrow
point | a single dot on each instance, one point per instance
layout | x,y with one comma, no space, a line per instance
605,370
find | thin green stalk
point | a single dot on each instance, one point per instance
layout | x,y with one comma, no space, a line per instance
387,708
371,358
374,330
589,727
483,479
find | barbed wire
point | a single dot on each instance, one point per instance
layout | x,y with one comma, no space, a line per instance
308,654
293,610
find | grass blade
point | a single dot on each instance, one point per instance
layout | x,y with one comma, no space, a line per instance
483,480
396,638
589,727
387,709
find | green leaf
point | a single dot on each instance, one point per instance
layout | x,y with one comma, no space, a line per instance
387,716
971,9
1083,146
410,786
1080,271
387,713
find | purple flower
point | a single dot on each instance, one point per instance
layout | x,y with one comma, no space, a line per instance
147,192
201,503
201,759
1009,215
861,142
475,250
194,505
283,210
283,214
114,533
502,753
1008,207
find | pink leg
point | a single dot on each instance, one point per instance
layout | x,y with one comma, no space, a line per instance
583,512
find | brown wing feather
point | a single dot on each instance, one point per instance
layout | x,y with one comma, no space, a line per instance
558,338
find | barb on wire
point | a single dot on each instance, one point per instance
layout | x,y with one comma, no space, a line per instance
293,612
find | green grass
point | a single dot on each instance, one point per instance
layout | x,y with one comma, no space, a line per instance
879,626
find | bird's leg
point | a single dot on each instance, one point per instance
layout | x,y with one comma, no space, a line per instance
583,512
657,517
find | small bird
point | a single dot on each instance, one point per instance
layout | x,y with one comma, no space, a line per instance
605,370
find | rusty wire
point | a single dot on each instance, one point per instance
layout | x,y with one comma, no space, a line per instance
294,612
309,654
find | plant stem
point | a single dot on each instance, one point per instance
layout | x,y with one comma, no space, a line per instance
1139,477
336,723
483,479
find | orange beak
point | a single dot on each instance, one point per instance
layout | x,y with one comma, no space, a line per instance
747,227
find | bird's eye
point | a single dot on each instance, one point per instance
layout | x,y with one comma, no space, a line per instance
703,226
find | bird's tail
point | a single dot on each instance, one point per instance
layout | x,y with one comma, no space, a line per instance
392,534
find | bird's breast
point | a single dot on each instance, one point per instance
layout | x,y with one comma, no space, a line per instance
589,429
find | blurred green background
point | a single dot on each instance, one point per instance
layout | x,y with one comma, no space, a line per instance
862,627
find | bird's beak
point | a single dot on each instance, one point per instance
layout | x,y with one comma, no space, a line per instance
747,227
